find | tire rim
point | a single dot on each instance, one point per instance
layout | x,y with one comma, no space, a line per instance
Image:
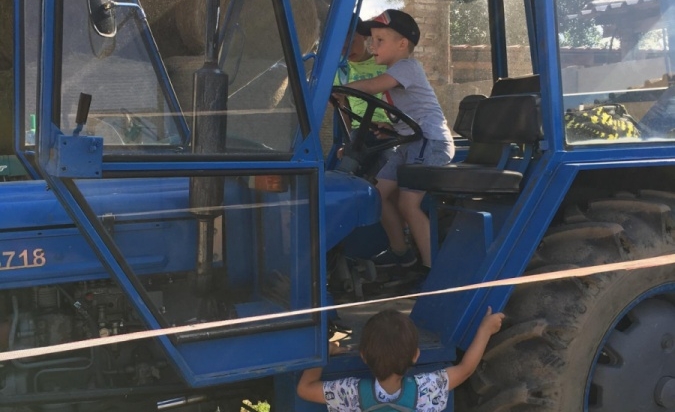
634,369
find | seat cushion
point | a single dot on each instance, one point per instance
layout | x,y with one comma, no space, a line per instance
459,178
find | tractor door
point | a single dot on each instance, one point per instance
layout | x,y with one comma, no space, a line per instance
188,173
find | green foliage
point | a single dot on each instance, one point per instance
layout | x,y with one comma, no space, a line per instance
516,23
576,32
469,23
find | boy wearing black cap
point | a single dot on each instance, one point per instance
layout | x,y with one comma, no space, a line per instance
404,85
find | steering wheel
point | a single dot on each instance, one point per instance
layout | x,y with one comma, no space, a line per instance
356,151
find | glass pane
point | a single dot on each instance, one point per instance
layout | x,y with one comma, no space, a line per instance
130,105
517,41
202,260
143,101
470,39
253,253
615,66
471,55
310,20
29,74
261,109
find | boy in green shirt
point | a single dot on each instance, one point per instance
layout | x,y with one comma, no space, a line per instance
360,65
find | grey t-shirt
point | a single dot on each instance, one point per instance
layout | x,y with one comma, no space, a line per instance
417,99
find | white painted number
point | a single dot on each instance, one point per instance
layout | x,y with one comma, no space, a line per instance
26,259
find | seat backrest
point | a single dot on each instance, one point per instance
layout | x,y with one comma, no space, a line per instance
503,86
501,121
465,114
508,119
516,85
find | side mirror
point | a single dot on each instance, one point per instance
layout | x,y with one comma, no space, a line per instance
102,17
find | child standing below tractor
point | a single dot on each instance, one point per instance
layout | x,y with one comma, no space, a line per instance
389,346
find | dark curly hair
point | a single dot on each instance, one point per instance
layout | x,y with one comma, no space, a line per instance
389,343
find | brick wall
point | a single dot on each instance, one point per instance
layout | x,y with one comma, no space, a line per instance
433,49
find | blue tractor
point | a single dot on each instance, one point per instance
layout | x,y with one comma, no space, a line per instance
173,189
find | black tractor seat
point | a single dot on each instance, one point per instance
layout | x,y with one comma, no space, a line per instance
459,178
500,124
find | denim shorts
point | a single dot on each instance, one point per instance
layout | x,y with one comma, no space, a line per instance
423,151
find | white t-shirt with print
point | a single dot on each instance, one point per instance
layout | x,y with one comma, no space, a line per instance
432,393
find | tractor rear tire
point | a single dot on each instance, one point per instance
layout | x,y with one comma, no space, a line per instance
599,343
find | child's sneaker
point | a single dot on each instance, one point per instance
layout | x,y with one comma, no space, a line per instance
389,258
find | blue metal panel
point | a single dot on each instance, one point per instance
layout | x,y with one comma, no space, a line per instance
514,246
551,85
77,157
531,32
343,189
31,206
35,220
498,38
68,258
231,359
320,347
180,168
458,263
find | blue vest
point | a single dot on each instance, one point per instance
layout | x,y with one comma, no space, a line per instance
406,401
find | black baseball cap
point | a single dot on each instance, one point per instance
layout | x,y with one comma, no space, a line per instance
361,29
399,21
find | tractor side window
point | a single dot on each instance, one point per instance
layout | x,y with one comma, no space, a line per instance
131,104
258,258
262,114
310,21
616,71
28,74
471,70
142,80
517,41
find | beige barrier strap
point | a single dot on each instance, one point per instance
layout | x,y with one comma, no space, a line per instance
569,273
